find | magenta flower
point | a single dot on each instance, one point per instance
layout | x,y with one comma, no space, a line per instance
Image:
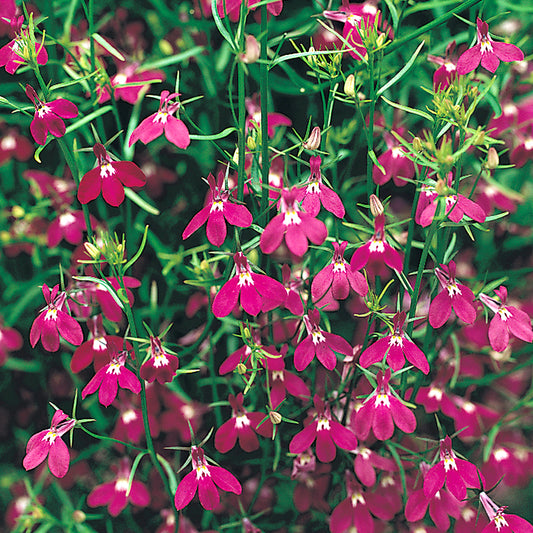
53,321
160,365
295,225
15,53
253,120
282,382
335,280
377,252
161,122
242,426
14,145
352,513
98,348
48,116
487,52
256,292
319,343
205,479
316,193
441,505
397,346
115,494
447,72
500,522
48,443
454,295
294,285
328,434
109,178
395,163
357,18
456,206
217,211
457,474
109,377
381,411
507,319
68,225
10,340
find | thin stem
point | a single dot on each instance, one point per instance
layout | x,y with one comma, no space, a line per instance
263,88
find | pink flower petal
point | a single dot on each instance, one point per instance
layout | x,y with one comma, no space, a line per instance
186,490
226,298
197,221
63,108
303,440
112,191
58,458
177,133
90,186
469,60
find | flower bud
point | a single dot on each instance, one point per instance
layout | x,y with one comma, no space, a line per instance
241,369
250,143
349,86
235,157
376,207
492,158
275,417
17,211
91,250
252,50
313,142
312,58
417,144
380,41
79,516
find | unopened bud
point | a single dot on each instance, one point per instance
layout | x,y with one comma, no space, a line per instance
376,207
380,41
479,138
275,417
235,157
241,369
79,516
492,158
417,144
246,334
312,58
250,143
441,187
92,250
17,211
252,50
313,142
349,86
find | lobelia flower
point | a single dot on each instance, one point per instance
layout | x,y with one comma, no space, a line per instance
335,281
282,382
109,377
381,411
377,252
115,493
397,346
441,505
295,225
352,512
14,145
129,426
357,18
507,319
10,340
48,116
312,483
68,225
294,286
160,365
205,479
456,473
242,426
328,434
48,443
53,321
98,348
109,178
456,206
161,122
256,292
316,193
365,463
446,74
319,343
395,163
15,53
501,522
217,211
253,120
454,295
487,52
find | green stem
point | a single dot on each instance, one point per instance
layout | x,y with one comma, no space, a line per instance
263,88
241,95
370,129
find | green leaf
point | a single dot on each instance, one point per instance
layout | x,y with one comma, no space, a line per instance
139,251
214,136
176,58
221,28
402,72
107,46
133,470
143,204
410,110
372,156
